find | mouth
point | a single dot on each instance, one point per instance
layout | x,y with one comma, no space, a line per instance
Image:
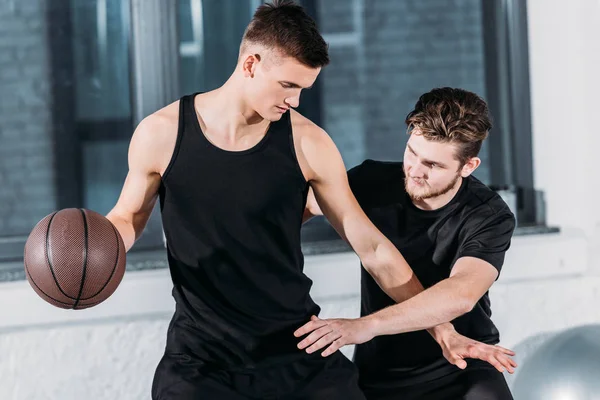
282,109
418,182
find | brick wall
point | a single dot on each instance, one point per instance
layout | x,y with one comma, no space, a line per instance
385,54
26,172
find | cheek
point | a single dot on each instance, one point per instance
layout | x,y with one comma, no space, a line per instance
262,87
440,178
270,96
407,160
254,91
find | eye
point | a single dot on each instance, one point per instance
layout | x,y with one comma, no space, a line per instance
286,86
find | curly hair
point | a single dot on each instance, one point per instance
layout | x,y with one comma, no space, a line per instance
452,115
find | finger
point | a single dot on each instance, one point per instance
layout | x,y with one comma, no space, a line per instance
313,337
315,318
504,356
324,341
309,327
335,346
505,361
455,359
459,362
505,350
512,362
493,361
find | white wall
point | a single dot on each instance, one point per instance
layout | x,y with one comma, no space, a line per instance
111,351
549,282
564,60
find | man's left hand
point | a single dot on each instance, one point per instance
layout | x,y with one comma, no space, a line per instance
456,348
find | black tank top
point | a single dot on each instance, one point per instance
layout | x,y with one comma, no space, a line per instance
232,221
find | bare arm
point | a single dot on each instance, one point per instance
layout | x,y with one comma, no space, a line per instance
480,256
148,156
379,256
469,280
312,208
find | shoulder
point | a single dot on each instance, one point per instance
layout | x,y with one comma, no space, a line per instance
154,139
317,154
161,123
481,195
307,133
485,206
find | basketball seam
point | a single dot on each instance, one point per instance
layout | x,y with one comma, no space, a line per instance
85,257
50,258
88,305
114,268
40,289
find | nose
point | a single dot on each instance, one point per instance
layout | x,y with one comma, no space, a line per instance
417,171
293,101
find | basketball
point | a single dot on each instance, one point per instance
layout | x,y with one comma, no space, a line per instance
74,258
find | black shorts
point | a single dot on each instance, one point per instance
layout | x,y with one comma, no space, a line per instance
469,384
311,378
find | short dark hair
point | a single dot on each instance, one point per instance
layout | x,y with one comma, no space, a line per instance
287,27
452,115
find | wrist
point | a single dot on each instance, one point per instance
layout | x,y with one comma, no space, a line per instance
373,324
442,331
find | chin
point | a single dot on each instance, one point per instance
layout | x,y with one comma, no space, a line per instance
417,194
273,117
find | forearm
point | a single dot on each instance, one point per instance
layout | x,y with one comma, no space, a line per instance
391,272
379,256
432,308
125,228
395,277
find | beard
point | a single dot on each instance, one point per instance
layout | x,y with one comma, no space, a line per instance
426,192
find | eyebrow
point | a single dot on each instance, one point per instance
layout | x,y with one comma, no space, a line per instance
295,85
425,160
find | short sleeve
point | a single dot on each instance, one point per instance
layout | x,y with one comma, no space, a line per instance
489,239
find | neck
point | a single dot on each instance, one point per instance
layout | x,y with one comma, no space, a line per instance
229,114
440,201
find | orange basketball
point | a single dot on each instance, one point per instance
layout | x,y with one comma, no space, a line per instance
74,258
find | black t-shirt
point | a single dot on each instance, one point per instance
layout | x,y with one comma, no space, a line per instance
475,223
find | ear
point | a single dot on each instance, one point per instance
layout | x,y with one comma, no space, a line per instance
249,65
470,166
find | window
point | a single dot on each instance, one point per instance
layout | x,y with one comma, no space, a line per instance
210,34
385,54
67,121
77,73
